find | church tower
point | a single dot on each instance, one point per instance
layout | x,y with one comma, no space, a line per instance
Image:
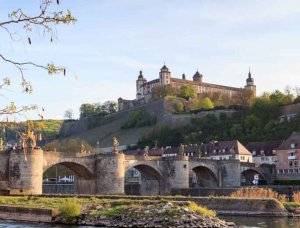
250,83
197,77
139,82
164,76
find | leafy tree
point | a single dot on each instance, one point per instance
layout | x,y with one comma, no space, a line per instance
68,114
187,91
179,106
279,98
159,92
206,103
87,110
245,97
106,108
297,100
44,20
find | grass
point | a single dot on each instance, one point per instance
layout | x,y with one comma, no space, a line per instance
291,204
256,193
201,210
39,202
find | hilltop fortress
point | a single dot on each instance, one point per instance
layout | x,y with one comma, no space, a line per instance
144,88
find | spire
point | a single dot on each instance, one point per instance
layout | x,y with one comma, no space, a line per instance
249,74
141,75
164,68
197,76
250,79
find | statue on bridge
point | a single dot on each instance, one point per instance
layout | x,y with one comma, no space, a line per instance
1,144
146,151
31,139
116,144
181,150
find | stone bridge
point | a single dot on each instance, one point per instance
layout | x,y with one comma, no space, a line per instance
105,173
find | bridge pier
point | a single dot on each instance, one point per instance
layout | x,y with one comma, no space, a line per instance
25,176
180,178
110,174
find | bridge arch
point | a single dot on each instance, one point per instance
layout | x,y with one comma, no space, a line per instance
247,176
78,169
84,182
151,180
203,176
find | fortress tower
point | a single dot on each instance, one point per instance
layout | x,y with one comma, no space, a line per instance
250,83
139,82
164,76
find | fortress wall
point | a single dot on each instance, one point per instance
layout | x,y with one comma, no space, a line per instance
289,109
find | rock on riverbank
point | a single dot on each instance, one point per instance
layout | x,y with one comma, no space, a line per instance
179,214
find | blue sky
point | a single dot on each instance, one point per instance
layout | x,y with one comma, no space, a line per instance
114,39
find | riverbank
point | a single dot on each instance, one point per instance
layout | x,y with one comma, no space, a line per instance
120,210
109,212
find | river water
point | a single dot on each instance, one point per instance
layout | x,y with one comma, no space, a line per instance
255,222
240,221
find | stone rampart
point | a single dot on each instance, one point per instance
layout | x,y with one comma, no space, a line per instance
17,213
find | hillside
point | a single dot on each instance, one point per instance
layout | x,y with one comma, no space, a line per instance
102,129
49,128
95,129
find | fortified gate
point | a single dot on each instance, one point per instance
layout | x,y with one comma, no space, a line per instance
105,173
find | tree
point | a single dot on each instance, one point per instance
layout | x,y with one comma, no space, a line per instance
87,110
159,92
108,107
206,103
187,91
45,21
68,114
245,97
179,106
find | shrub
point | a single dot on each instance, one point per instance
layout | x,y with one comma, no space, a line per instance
70,209
255,192
201,210
179,106
139,119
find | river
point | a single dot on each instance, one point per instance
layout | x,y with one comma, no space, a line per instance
240,221
270,222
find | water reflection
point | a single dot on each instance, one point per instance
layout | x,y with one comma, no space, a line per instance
255,222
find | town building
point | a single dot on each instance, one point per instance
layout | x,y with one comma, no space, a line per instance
224,150
264,152
287,156
144,88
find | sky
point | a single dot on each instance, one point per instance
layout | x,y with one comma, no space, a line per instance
114,39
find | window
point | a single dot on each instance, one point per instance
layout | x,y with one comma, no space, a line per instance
296,164
293,145
242,158
262,152
253,152
291,164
